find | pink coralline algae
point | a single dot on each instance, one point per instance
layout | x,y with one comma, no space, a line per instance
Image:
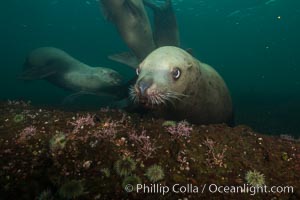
26,133
108,131
182,129
183,160
289,138
81,122
144,146
15,102
214,158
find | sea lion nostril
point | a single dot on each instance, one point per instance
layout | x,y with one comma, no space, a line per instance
143,86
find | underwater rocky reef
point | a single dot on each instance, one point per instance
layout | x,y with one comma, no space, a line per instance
47,153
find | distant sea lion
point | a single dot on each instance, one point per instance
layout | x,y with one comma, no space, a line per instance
165,24
62,70
177,86
133,24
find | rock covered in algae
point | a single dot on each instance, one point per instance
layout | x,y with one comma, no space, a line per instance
119,149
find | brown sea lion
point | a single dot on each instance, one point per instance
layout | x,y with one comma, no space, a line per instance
62,70
177,86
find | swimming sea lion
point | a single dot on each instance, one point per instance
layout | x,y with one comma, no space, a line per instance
61,69
177,86
132,23
165,24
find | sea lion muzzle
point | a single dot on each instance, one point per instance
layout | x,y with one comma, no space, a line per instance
143,86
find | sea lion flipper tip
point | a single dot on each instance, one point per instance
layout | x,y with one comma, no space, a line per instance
126,58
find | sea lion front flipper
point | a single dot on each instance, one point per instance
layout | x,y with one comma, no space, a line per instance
126,58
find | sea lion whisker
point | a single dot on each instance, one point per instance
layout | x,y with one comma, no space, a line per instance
152,100
178,98
160,97
155,101
164,98
133,95
177,94
173,95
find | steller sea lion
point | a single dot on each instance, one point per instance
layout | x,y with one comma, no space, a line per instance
61,69
177,86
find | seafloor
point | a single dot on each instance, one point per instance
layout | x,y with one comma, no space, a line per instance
54,154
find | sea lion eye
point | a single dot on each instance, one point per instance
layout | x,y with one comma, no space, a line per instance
176,73
138,70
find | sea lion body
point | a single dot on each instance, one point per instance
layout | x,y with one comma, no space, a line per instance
64,71
177,86
132,23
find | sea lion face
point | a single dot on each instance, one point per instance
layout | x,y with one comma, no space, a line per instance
93,79
105,77
163,77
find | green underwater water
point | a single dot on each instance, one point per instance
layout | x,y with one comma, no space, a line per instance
253,44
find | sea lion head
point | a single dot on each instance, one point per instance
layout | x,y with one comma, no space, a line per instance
106,76
164,77
96,79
